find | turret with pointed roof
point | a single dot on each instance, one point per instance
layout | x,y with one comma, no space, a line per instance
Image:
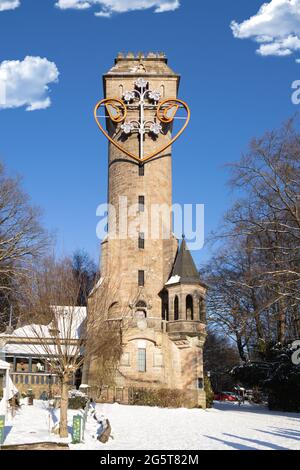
184,266
185,292
184,269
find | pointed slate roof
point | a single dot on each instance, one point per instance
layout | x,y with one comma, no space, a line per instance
184,269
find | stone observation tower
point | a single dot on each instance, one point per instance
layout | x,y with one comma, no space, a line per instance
152,284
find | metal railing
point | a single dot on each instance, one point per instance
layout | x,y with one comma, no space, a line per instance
32,378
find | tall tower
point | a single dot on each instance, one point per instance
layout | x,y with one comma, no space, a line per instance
154,286
142,183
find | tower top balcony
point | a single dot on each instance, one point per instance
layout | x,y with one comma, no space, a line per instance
178,330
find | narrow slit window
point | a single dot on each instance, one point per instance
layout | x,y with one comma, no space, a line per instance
141,241
141,170
141,203
141,278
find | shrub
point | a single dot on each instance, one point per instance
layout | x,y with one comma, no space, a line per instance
163,398
77,403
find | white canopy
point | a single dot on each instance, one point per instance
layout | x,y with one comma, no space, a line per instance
9,390
4,365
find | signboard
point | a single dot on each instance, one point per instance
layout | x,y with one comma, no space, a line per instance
76,430
2,423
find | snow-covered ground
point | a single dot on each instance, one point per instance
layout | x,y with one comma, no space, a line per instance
226,426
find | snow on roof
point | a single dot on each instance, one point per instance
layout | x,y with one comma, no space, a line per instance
29,339
173,280
38,349
97,285
69,323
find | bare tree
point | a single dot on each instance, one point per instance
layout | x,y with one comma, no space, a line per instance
220,356
258,267
85,270
57,327
22,237
228,306
115,316
270,214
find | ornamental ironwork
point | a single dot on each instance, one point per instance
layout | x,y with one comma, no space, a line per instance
141,98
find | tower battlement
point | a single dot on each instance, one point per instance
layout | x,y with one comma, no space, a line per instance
153,64
141,56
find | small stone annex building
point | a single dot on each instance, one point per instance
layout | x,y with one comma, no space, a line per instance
158,285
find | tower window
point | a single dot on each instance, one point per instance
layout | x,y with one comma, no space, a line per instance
142,241
176,308
189,308
200,384
142,360
141,170
141,278
141,203
165,305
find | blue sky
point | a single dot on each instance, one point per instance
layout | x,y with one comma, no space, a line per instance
234,94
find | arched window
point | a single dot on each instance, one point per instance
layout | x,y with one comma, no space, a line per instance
189,308
176,308
202,310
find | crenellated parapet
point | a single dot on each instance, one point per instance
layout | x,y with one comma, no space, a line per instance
141,55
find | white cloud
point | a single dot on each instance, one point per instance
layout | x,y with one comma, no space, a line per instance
76,4
108,7
25,83
276,27
9,4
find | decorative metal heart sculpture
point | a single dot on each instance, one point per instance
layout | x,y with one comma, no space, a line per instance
166,110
